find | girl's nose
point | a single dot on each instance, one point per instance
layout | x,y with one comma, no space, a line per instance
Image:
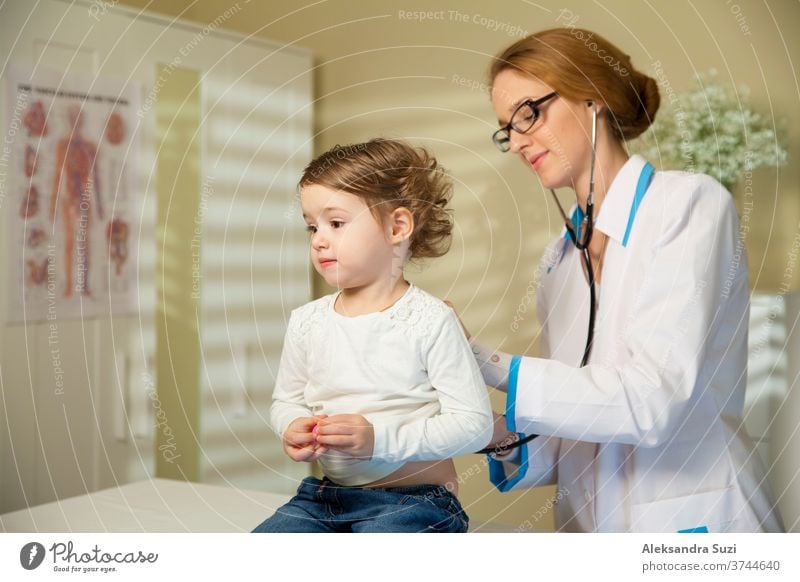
318,241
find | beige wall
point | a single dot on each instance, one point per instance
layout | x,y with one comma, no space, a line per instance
380,73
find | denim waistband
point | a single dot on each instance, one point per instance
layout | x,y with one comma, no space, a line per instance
423,489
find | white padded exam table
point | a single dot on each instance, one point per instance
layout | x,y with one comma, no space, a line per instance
160,505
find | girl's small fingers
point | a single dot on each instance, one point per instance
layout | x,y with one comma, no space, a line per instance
338,419
334,428
326,429
299,439
305,424
302,454
334,440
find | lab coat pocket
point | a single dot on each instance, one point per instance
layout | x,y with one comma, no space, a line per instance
713,510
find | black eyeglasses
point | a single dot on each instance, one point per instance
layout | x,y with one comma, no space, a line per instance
523,118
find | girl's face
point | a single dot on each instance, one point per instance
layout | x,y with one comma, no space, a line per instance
350,248
558,147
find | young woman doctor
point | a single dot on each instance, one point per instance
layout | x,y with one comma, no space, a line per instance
638,395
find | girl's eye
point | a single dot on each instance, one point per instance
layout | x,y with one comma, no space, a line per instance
311,228
337,223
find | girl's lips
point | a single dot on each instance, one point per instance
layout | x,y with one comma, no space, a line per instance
537,160
324,263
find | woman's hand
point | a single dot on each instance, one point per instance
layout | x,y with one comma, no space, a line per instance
501,435
463,327
299,442
349,433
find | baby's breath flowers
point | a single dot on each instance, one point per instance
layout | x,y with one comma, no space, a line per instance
712,130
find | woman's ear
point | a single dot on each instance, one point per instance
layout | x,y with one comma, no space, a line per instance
601,106
401,222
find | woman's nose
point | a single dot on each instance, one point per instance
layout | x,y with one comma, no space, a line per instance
518,141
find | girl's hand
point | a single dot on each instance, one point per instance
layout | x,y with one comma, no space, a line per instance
299,442
463,327
349,433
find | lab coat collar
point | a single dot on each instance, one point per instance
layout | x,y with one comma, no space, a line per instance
621,203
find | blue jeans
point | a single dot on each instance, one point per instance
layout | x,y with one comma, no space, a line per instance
324,506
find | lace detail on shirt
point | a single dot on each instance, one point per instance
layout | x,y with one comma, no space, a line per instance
421,312
307,317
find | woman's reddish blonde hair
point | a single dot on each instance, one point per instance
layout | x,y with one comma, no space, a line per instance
581,65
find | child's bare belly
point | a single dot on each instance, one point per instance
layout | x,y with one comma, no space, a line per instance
421,473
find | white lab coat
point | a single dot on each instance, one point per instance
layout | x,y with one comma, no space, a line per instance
648,437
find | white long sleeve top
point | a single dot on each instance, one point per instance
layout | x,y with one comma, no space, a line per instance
408,370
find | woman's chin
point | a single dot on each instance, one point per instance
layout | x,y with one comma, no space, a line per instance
550,182
545,182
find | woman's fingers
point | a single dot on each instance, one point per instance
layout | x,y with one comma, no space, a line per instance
501,434
463,327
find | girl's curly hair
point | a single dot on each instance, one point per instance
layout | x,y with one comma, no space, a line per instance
390,174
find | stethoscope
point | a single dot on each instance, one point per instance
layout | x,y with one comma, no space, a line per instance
583,247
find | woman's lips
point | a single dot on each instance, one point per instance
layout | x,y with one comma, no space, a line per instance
537,160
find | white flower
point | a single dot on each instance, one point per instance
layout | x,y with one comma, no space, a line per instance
712,130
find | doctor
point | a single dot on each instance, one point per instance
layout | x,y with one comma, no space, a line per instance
637,397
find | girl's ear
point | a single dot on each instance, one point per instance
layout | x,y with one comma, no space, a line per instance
401,222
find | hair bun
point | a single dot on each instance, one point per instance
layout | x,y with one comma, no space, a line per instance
650,100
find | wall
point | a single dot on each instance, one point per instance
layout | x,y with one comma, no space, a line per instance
94,401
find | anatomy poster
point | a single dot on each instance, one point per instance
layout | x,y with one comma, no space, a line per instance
71,167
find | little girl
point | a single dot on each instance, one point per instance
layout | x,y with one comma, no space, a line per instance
377,380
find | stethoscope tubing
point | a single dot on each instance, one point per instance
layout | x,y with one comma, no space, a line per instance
583,247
